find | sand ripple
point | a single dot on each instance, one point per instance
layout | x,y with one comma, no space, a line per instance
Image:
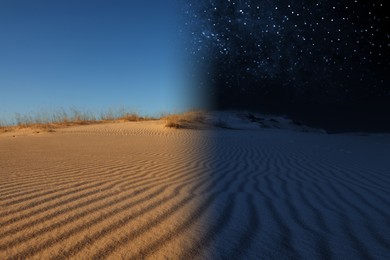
139,190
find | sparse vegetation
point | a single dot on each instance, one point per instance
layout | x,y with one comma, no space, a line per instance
134,117
48,121
185,120
4,127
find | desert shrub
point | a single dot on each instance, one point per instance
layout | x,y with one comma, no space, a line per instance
132,117
185,120
47,120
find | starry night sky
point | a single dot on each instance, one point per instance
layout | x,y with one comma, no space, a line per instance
323,62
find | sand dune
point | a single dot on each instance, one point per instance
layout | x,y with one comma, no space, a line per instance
137,190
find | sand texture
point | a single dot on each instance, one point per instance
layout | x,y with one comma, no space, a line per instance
139,190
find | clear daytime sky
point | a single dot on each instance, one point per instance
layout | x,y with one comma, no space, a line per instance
91,55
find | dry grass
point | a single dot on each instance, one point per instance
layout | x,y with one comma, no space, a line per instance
123,116
4,127
48,121
134,117
185,120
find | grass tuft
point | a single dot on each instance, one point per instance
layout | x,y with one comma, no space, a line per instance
186,120
48,121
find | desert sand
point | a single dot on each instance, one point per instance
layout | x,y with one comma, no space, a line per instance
137,190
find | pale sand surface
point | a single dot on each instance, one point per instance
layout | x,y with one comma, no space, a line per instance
138,190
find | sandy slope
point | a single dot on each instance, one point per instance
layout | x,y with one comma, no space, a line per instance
136,190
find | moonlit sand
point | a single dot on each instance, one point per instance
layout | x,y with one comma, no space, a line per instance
141,190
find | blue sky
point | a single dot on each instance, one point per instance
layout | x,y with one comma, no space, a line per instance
92,55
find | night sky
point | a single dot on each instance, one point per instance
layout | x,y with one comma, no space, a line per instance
323,62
